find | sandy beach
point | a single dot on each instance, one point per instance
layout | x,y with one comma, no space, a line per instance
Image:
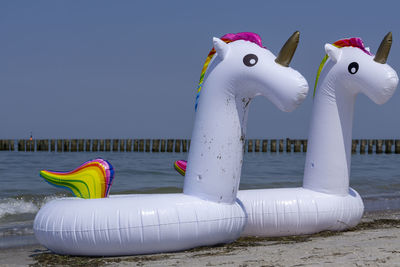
374,242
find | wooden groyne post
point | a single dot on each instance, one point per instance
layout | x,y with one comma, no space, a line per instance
129,145
288,145
273,145
354,144
74,145
162,149
185,145
280,146
388,146
250,145
141,145
371,144
297,146
304,143
397,146
264,145
378,149
156,145
177,145
363,143
147,145
115,145
170,144
257,145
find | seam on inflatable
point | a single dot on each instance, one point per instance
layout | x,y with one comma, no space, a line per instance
159,226
284,213
316,214
298,215
179,223
141,228
276,214
262,217
107,233
74,235
197,223
135,227
61,223
119,228
47,221
94,223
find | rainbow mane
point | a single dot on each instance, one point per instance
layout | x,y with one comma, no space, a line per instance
227,38
350,42
92,179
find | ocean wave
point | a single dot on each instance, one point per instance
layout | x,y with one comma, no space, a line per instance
10,206
23,205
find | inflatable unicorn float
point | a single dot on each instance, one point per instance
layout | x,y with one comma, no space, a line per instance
208,211
325,201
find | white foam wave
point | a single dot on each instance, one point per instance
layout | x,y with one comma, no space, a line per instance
15,206
11,206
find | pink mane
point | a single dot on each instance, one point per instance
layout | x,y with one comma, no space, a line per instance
246,36
353,42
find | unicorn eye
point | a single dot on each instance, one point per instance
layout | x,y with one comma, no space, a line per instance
353,67
250,60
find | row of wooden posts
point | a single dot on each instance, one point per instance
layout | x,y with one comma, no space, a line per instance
361,146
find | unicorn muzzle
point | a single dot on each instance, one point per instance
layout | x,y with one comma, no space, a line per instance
295,93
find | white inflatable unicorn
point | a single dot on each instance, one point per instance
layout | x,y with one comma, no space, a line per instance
208,212
325,202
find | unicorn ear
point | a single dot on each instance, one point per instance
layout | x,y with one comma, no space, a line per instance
367,48
333,52
221,47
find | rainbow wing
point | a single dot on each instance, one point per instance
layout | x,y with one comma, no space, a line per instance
92,179
180,166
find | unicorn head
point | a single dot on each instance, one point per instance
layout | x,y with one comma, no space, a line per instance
359,70
250,70
236,70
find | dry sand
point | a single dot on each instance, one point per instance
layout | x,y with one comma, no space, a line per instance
374,242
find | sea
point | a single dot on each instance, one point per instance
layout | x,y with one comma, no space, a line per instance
23,191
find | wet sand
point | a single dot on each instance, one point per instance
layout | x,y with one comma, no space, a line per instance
374,242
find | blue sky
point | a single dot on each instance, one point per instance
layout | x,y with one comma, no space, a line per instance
119,69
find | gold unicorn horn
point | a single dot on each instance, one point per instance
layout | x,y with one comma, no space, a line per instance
287,51
384,49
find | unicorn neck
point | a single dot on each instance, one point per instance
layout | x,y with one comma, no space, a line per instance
216,150
328,159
